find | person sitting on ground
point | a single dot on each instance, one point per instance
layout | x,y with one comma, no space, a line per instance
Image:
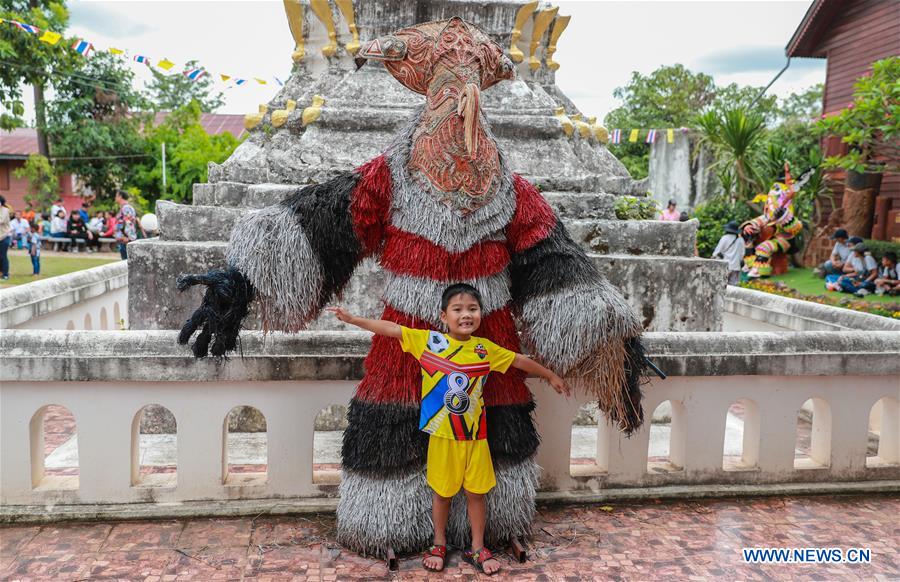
731,249
455,366
839,255
59,226
671,213
888,280
860,280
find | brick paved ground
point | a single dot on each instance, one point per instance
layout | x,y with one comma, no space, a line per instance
642,541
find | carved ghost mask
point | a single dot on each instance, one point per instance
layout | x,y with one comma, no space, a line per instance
413,54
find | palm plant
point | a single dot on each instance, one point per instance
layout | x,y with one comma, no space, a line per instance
734,135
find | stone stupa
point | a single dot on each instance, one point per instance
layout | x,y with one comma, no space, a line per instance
331,117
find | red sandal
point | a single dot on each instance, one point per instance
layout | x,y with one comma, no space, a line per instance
478,558
436,551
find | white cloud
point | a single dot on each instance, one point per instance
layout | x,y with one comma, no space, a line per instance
604,42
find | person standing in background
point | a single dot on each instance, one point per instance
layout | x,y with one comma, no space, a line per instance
671,212
731,249
127,223
5,238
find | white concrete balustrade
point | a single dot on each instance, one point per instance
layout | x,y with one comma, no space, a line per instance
92,299
106,378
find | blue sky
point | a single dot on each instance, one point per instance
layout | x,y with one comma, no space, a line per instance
734,41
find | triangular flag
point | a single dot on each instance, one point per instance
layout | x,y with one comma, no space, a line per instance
632,137
116,51
50,37
240,81
225,78
165,64
260,81
651,136
670,135
280,83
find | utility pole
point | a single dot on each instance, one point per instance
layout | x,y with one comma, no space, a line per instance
164,168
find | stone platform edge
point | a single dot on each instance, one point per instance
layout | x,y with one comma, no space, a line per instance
154,356
799,314
40,514
32,300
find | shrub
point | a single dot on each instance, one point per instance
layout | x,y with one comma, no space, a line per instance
634,208
713,216
879,247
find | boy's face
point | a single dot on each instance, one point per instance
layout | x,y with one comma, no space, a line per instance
887,262
463,315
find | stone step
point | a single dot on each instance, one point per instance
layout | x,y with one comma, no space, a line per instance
669,293
232,194
180,222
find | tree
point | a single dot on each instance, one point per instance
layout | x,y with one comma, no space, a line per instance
170,92
735,136
668,97
93,127
189,149
43,183
26,60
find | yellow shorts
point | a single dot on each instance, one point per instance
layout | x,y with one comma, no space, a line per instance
453,464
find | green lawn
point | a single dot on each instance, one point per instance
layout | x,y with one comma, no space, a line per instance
805,282
51,266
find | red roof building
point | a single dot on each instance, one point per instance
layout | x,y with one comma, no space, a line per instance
18,144
851,35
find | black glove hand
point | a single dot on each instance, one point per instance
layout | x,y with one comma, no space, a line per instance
225,305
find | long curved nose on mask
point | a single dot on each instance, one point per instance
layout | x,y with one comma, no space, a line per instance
468,109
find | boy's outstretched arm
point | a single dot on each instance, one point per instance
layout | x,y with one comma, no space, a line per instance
376,326
529,366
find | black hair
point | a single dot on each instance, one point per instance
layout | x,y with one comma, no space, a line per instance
459,289
122,194
891,256
2,201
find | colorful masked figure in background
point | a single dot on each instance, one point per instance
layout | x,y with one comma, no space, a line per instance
439,206
772,232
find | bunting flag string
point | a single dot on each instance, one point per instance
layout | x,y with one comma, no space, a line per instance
84,48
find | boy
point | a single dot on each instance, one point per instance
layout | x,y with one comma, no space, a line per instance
859,273
888,281
33,241
839,255
455,366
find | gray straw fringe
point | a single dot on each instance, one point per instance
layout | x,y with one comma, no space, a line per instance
270,248
567,327
376,513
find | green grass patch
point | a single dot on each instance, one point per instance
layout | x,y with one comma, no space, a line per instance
805,282
51,266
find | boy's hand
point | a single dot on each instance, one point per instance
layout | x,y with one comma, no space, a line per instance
341,314
559,385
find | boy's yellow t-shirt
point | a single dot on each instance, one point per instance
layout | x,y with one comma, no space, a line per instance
453,377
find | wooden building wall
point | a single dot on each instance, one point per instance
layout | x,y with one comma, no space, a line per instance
864,32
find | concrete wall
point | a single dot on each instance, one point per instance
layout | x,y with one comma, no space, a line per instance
105,378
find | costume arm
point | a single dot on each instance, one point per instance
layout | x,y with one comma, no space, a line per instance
572,319
292,257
